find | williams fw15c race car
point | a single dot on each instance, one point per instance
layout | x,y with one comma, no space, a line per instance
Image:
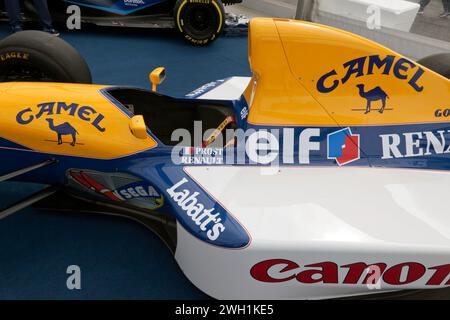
321,176
199,21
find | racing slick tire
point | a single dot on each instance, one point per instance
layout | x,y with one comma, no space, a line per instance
41,57
439,63
199,21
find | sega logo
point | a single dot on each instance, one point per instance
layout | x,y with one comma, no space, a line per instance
137,191
282,270
343,146
442,113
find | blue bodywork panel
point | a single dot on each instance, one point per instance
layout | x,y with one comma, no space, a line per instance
122,7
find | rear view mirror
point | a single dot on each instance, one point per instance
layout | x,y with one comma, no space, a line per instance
157,77
138,127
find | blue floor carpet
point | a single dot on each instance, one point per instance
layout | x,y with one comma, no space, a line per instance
119,259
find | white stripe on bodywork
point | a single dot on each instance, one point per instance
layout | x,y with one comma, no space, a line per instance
231,89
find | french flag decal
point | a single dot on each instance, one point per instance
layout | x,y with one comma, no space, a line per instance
188,151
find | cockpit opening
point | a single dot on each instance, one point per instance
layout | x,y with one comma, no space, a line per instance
163,114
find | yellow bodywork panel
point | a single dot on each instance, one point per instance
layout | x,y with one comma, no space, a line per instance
68,119
308,74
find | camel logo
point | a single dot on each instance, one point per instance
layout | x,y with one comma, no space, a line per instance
67,110
392,66
47,109
64,129
373,95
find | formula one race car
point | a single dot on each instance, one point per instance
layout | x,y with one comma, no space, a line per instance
322,176
200,22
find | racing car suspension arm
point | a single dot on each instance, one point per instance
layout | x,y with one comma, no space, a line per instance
44,193
22,171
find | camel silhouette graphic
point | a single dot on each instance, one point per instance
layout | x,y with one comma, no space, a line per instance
373,96
63,129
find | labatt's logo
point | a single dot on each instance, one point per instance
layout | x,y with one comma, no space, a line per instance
370,65
206,219
48,109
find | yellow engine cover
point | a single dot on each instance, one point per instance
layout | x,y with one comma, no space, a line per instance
308,74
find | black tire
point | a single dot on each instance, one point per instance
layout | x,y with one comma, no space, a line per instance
439,63
41,57
199,23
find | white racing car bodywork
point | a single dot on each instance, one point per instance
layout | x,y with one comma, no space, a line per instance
225,89
320,225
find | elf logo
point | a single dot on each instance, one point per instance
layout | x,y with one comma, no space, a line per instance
343,146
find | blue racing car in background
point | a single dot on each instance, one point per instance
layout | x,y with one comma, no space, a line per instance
199,21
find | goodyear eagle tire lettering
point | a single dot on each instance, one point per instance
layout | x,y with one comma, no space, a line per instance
199,21
40,57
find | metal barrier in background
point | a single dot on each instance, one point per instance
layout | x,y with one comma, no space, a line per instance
398,24
305,10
